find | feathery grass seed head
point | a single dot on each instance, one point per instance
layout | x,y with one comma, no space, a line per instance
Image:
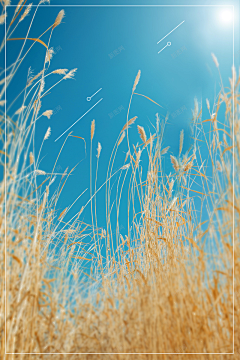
130,122
165,150
59,18
48,113
92,129
26,12
71,74
181,141
174,162
99,148
142,133
136,80
215,60
20,110
121,138
60,71
48,133
31,158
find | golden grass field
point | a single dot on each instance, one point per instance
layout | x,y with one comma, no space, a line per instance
167,289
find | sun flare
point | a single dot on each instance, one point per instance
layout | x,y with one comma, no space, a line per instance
226,16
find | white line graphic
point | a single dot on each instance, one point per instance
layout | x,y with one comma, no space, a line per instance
168,44
78,120
170,32
90,97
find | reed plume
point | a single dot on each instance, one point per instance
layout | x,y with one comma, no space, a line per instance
59,18
92,129
142,133
136,81
129,123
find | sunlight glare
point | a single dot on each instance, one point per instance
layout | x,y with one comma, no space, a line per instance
226,16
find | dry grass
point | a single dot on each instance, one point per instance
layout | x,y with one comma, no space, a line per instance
167,286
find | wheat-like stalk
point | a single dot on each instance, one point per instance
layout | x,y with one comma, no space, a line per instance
142,133
181,142
26,12
18,6
174,162
40,172
149,141
62,214
170,187
130,122
219,166
60,71
190,164
20,110
48,133
208,104
136,80
49,54
165,150
92,129
215,60
126,166
2,19
99,148
121,138
214,142
138,158
34,78
31,158
37,109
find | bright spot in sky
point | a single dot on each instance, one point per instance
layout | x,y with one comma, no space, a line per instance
226,16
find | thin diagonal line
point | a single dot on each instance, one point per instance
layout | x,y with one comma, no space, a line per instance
96,92
78,120
162,49
170,32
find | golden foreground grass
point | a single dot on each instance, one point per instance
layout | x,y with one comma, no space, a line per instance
167,287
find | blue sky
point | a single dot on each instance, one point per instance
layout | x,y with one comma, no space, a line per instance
109,45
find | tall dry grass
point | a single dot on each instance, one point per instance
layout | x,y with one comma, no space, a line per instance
167,287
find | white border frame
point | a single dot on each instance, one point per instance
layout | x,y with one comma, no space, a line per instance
5,184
